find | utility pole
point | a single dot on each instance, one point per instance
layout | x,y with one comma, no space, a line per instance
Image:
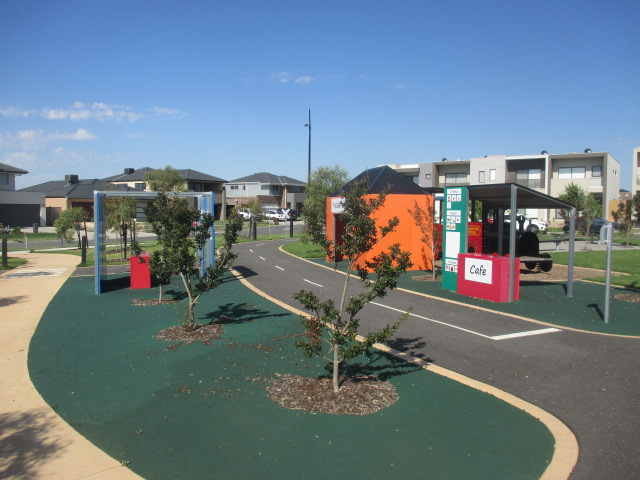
308,125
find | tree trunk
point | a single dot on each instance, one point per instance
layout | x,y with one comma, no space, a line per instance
336,369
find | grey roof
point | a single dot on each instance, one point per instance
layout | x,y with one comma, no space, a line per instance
499,195
187,173
4,168
82,189
381,178
269,179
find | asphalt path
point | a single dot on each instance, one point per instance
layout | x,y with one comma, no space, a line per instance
590,382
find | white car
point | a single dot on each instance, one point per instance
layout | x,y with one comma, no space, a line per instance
246,214
276,215
530,224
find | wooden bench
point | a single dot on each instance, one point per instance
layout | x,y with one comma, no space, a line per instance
559,238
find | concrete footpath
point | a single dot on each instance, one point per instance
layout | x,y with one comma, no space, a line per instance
35,442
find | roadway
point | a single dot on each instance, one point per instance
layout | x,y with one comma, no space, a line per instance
590,382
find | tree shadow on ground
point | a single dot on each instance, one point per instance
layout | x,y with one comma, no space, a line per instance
26,441
5,302
378,364
411,346
232,313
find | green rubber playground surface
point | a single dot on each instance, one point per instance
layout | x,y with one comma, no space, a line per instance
173,411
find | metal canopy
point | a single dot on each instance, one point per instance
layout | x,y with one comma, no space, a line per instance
513,196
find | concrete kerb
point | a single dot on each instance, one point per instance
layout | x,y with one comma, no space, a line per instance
47,446
565,455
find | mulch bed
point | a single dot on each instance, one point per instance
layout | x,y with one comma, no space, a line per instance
143,302
628,297
357,395
201,333
426,278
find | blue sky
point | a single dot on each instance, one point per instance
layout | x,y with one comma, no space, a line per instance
92,87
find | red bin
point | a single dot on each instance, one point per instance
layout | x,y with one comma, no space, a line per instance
140,272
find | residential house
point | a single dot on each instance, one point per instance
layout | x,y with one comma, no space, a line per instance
71,192
272,191
635,181
18,208
596,172
196,182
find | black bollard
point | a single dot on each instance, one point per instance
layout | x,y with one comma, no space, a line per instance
291,227
84,249
5,258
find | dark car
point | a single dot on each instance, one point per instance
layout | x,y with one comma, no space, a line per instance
594,229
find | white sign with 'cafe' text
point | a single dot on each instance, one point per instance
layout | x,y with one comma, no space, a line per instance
478,270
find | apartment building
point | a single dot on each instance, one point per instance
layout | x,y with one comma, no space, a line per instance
275,191
596,172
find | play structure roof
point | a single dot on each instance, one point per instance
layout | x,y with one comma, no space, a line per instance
499,195
383,177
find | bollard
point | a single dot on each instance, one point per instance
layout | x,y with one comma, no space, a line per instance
5,258
291,228
84,249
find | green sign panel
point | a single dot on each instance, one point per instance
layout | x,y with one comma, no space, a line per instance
454,234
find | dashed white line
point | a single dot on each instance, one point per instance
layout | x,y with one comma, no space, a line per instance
526,334
262,258
312,283
279,268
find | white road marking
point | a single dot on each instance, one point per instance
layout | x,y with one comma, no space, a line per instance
251,250
316,284
525,334
432,320
495,337
262,258
279,268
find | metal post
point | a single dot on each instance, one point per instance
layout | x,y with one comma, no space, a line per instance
84,249
308,125
608,228
291,228
512,242
572,237
5,258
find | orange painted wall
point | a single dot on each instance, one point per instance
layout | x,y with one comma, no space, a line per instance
407,233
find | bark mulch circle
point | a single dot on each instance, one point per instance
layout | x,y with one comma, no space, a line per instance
201,333
357,395
143,302
628,297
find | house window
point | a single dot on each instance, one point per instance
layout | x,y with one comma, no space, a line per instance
529,177
427,176
140,186
455,178
233,187
481,176
4,179
492,175
195,186
565,173
596,171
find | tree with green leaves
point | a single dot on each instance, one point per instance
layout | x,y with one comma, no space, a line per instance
324,182
624,216
425,219
70,221
588,207
182,232
120,211
575,195
635,200
166,180
332,329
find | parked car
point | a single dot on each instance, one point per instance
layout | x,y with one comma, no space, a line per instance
275,215
530,224
595,227
246,214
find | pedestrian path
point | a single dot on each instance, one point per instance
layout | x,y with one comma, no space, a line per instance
35,442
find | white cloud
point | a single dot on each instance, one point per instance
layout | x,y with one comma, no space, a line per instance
287,77
100,111
19,159
37,139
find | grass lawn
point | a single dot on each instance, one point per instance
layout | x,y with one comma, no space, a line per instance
13,262
623,261
304,250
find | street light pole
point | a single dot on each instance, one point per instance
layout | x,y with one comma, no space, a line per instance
308,125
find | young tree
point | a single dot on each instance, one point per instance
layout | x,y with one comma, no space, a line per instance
590,211
636,208
624,216
120,210
166,180
573,195
182,232
337,326
71,220
324,182
430,234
